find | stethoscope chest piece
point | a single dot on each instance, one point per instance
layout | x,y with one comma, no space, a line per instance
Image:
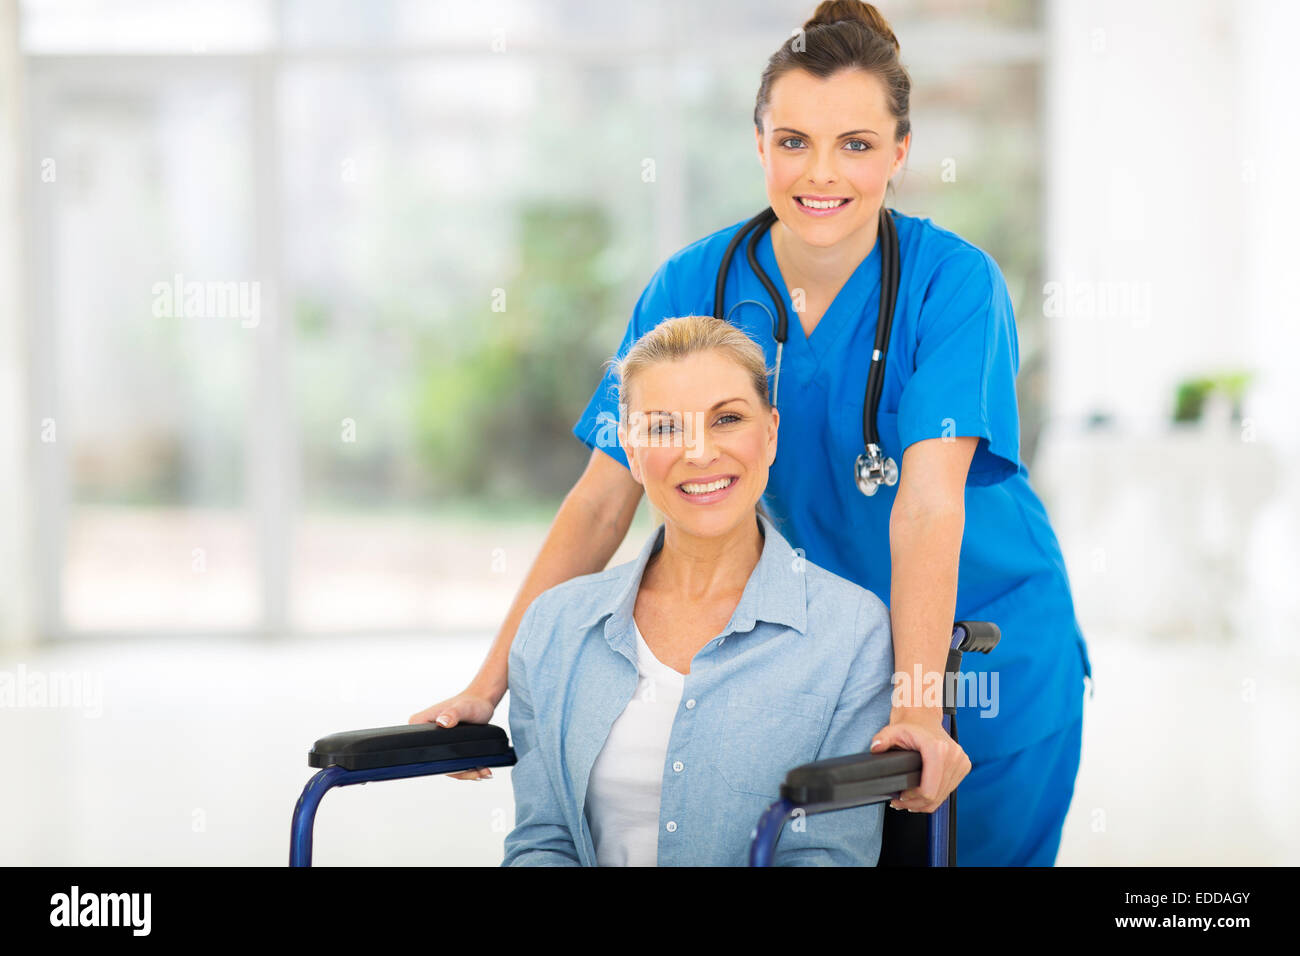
871,470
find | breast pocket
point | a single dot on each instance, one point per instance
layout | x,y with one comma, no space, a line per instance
762,737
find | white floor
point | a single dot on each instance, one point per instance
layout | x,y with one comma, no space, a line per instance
199,754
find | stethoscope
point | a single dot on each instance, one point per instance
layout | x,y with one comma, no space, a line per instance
872,468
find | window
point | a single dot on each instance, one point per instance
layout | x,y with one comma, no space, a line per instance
318,288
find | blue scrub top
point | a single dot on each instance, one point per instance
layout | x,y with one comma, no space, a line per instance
950,371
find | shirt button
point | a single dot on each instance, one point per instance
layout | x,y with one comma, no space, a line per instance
671,826
690,703
677,765
721,641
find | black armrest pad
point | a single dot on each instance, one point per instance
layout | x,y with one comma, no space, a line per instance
853,780
407,743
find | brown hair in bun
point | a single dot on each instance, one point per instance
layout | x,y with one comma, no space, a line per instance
841,35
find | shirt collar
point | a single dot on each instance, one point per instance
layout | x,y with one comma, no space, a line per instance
776,590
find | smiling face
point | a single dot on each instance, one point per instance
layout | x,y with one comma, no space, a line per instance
699,440
828,143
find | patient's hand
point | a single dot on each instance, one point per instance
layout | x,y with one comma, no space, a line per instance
469,707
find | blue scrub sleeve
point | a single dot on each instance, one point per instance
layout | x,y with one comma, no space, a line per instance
967,359
598,425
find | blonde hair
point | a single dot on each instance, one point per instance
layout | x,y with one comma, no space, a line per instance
674,339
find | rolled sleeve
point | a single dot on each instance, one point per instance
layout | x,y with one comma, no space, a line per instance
598,425
851,837
541,835
967,359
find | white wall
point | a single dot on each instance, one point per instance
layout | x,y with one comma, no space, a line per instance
17,429
1170,132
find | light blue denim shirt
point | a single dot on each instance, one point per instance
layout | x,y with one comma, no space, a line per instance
801,672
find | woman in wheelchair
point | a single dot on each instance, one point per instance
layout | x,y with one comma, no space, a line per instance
655,707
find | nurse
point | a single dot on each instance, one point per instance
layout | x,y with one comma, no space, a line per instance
962,535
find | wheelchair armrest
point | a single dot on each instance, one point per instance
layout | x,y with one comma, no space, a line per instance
407,744
852,781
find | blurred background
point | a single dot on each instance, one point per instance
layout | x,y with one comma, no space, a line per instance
276,459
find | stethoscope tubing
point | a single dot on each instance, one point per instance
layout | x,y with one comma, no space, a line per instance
890,270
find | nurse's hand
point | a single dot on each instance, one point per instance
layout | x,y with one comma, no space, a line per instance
470,707
943,762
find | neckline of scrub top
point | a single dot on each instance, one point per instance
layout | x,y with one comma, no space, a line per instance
806,353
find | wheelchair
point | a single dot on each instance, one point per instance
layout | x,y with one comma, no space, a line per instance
824,786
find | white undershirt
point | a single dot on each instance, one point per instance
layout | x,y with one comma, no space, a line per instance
624,789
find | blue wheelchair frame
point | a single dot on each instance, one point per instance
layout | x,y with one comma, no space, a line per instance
824,786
